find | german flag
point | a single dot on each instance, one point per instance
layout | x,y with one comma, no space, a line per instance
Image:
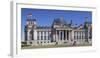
29,14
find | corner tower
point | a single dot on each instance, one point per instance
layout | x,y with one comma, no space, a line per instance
30,21
30,25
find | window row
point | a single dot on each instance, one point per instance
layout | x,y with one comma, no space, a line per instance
43,37
43,42
79,35
43,33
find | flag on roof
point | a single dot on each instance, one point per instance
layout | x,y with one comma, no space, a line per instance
29,14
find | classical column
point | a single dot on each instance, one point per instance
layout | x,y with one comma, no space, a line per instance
56,36
28,38
39,37
72,34
43,36
53,36
66,35
28,35
81,37
76,35
47,35
69,36
59,35
35,36
62,35
88,35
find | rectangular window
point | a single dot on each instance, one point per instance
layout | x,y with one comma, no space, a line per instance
44,37
41,37
74,34
37,37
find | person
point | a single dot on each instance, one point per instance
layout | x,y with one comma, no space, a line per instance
74,43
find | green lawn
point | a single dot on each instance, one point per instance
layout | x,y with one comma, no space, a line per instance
52,46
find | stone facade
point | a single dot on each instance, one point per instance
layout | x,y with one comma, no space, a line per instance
60,32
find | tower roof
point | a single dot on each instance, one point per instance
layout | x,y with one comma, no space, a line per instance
43,27
31,19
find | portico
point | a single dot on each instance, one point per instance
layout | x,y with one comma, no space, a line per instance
63,35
